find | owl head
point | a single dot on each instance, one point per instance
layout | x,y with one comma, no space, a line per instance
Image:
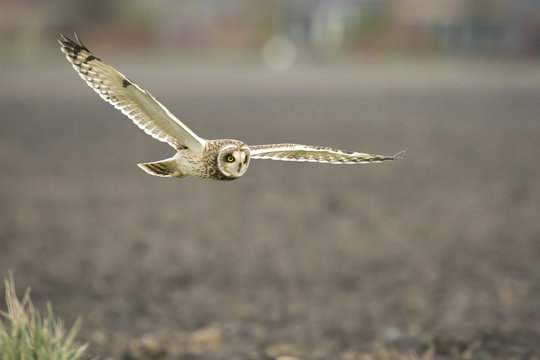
233,160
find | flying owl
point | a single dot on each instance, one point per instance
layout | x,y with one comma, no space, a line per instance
222,159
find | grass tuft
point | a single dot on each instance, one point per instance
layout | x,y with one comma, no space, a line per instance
27,335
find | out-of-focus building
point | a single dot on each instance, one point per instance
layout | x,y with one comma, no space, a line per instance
462,26
489,26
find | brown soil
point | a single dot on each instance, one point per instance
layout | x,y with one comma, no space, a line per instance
435,255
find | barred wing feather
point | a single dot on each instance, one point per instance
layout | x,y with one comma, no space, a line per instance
137,104
321,154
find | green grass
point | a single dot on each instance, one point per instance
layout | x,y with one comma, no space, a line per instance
25,334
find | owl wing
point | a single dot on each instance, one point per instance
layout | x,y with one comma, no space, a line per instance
137,104
321,154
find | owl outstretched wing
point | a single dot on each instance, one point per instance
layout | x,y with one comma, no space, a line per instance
321,154
137,104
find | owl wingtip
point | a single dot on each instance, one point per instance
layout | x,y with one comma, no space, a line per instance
399,155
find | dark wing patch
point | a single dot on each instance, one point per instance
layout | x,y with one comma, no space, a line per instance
90,58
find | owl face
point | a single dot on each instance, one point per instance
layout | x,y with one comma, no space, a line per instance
233,160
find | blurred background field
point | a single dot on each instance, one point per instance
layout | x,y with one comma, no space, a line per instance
435,254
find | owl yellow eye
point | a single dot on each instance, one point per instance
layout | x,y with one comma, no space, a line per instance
230,158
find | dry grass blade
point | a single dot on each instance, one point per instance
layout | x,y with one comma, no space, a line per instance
26,335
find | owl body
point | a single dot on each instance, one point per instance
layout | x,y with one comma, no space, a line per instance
221,159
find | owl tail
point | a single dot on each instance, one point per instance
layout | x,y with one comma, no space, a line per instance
164,168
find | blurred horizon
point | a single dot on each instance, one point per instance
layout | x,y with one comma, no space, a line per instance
278,34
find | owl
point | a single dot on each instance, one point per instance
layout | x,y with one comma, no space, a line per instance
222,159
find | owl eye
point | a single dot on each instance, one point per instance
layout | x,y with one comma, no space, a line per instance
230,158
